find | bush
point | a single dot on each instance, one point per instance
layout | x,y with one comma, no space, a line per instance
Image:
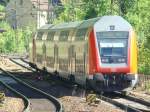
14,41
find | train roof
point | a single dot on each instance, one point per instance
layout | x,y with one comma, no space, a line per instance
76,24
117,22
88,23
46,27
108,20
70,25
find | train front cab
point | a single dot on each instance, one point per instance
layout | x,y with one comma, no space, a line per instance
112,55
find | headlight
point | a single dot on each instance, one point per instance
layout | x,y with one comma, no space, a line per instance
121,60
104,60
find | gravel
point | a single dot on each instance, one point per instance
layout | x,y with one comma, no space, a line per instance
141,94
78,104
12,105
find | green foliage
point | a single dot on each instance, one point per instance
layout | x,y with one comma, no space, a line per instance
139,17
68,13
2,8
14,41
82,10
2,14
94,8
144,59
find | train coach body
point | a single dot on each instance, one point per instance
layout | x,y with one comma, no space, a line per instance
99,52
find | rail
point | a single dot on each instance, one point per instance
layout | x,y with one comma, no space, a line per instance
25,99
31,69
141,101
56,102
126,108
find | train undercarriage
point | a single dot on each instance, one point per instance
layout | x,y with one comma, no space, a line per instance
99,82
113,82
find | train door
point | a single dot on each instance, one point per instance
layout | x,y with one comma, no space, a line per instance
70,50
50,60
56,60
44,51
71,58
80,55
39,49
63,47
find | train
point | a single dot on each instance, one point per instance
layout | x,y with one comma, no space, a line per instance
100,53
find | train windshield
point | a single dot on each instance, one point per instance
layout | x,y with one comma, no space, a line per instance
112,46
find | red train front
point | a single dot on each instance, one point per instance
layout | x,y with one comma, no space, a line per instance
112,55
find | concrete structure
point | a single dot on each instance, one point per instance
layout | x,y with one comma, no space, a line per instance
21,13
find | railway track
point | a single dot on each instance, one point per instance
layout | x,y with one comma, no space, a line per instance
53,82
39,100
23,63
118,101
127,103
12,92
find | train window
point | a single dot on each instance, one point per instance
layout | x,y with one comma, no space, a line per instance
39,35
113,50
64,36
50,36
80,35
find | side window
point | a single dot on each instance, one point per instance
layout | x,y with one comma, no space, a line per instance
64,36
39,35
50,36
80,34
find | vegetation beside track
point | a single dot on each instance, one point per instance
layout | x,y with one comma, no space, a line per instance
148,87
144,83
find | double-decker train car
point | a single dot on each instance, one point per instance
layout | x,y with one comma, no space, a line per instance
100,52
